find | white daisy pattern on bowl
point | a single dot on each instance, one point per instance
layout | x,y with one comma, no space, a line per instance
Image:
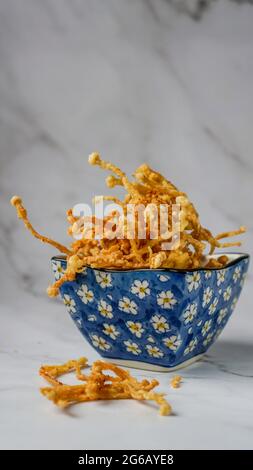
163,277
191,346
177,319
166,299
207,296
135,328
243,277
208,339
173,342
58,270
193,281
217,334
110,330
190,313
237,274
160,324
233,303
132,347
92,318
150,339
227,294
70,303
154,351
140,288
212,308
79,323
128,306
206,327
221,276
105,309
100,342
103,279
85,294
222,314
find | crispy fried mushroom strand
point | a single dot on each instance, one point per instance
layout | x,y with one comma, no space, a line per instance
148,189
17,202
100,384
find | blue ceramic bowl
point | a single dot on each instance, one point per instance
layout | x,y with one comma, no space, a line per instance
159,319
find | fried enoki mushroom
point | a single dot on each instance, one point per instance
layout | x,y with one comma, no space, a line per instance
17,202
126,249
176,381
98,385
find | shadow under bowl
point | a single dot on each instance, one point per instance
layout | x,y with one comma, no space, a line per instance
155,319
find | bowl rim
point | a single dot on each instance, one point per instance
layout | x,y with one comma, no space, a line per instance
239,257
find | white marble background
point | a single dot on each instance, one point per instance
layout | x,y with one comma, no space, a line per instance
166,82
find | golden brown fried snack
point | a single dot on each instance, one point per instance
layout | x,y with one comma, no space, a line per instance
98,385
17,202
176,381
148,188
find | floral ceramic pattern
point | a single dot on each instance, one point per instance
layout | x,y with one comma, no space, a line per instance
99,342
166,299
85,294
58,269
135,328
132,348
127,305
190,313
140,288
70,303
154,316
110,330
160,324
173,342
154,351
105,309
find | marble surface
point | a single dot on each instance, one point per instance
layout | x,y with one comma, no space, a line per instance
166,82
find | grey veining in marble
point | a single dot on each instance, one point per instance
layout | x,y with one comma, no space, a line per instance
168,82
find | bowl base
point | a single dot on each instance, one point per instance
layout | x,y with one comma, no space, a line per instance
154,367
